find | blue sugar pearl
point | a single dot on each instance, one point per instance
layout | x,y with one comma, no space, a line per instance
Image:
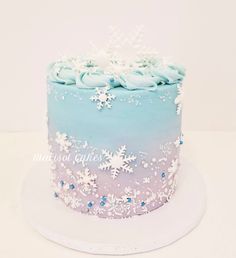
90,204
72,186
102,203
55,195
111,80
181,142
129,199
163,174
142,204
104,198
62,182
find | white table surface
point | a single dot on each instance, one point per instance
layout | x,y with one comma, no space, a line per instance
214,154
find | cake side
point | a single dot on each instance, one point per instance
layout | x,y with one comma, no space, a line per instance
114,127
119,159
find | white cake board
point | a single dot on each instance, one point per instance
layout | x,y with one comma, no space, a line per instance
90,234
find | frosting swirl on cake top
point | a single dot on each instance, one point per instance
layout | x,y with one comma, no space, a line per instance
124,62
89,75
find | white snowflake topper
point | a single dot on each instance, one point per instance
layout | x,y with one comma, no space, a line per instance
179,100
117,162
128,48
63,141
103,98
87,181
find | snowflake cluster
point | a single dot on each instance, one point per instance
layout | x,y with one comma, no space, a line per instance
169,182
136,198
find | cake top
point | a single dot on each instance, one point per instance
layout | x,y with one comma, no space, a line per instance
123,62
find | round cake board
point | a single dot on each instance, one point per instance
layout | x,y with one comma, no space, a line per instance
58,223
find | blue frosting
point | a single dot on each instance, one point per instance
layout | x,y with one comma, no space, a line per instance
139,126
149,77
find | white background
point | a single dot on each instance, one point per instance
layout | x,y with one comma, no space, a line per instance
199,34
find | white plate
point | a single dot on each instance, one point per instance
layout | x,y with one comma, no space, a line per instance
90,234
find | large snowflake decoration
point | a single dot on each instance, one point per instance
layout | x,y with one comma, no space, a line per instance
117,162
103,98
87,181
63,141
179,100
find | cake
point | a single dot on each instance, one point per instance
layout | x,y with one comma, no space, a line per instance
114,130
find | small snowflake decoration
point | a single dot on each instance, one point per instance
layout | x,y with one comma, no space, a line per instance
130,195
174,166
103,98
67,199
113,205
75,203
179,100
128,190
177,142
87,181
117,162
146,180
63,141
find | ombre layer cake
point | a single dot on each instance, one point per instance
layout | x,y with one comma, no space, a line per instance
114,133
